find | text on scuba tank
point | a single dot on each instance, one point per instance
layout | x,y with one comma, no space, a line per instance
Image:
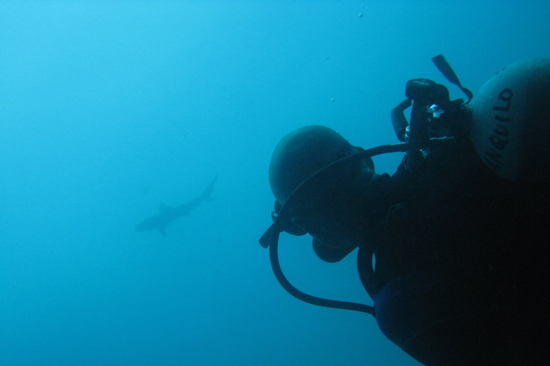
500,137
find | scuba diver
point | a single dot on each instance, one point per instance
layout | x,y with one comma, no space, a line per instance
454,247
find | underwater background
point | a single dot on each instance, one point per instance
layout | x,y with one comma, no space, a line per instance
110,108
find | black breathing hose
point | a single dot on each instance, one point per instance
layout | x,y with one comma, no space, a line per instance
275,231
274,257
271,237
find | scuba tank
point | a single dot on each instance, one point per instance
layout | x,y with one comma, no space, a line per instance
510,122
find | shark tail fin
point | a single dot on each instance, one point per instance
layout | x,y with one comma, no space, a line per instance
207,194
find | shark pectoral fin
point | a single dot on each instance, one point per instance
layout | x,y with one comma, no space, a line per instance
162,230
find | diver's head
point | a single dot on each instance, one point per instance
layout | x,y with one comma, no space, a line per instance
300,154
313,175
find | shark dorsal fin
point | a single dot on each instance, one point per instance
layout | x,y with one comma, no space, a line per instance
207,194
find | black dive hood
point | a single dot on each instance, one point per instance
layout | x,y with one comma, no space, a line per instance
282,216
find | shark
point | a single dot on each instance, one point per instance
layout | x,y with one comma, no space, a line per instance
168,214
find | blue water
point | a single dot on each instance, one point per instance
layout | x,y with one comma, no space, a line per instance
109,108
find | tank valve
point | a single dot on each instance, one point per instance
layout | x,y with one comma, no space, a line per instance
436,110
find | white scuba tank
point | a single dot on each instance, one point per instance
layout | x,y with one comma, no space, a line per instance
510,125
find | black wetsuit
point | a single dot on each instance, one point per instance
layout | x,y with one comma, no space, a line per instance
462,264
